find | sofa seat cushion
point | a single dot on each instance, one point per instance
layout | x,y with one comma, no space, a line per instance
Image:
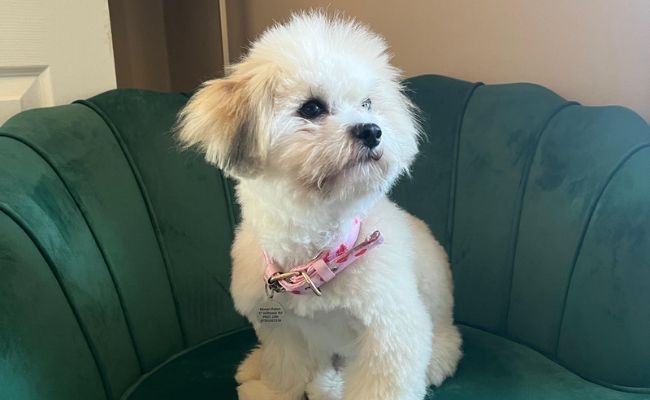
495,368
204,372
492,368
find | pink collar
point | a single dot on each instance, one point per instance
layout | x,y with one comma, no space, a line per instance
322,268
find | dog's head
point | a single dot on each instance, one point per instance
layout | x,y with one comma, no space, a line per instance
315,104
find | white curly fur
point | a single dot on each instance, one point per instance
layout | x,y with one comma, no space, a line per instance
300,182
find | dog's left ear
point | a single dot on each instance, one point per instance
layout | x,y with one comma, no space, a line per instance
225,120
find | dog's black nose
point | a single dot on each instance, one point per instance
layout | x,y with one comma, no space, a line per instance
369,134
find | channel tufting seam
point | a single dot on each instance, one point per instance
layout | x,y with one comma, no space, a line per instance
91,348
149,206
585,230
451,216
18,221
520,200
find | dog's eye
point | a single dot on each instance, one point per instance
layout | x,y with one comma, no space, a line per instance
367,104
312,109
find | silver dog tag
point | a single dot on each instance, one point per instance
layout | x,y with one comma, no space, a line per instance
270,314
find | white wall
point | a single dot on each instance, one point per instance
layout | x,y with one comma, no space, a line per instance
593,51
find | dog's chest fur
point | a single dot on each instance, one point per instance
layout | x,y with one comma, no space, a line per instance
329,334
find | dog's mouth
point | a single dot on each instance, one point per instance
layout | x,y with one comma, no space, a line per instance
371,155
364,164
375,155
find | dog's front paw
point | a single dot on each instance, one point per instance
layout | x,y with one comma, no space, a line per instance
250,368
254,390
326,386
259,390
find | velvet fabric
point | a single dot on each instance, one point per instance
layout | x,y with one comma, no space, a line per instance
493,368
114,247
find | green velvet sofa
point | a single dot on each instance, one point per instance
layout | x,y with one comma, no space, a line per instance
114,247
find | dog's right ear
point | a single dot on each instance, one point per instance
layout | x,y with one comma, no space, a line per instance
222,120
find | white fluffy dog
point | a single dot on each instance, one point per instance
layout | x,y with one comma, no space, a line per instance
315,127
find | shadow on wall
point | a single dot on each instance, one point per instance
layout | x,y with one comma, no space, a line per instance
168,45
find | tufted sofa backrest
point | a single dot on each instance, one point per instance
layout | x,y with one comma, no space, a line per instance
544,208
114,246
